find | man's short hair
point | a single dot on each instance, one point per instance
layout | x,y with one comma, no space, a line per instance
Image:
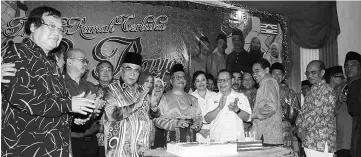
263,62
35,17
225,70
104,61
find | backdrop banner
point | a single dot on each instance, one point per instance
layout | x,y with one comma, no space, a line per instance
107,30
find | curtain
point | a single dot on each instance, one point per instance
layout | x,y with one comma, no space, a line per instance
329,54
294,80
307,55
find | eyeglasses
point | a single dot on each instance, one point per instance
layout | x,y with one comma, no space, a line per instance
223,80
312,72
83,60
53,27
179,77
129,69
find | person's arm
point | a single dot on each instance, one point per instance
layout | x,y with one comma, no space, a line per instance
213,111
228,61
354,98
29,90
162,121
268,105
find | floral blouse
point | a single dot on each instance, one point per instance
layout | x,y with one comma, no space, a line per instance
317,120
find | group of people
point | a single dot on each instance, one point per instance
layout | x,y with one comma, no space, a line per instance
50,109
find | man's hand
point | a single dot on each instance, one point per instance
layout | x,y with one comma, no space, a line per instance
222,102
205,132
7,69
79,121
82,105
155,98
182,123
233,106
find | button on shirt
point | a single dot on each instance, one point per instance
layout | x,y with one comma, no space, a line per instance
227,126
202,105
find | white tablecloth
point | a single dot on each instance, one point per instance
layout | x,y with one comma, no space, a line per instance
265,152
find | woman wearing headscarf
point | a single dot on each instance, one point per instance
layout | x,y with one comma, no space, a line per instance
274,55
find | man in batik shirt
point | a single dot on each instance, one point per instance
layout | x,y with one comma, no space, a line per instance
290,107
35,102
127,124
316,122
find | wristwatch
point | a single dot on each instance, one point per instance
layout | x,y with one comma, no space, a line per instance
239,110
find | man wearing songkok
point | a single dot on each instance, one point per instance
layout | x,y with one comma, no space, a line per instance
217,60
36,103
181,115
290,107
199,62
343,119
353,68
239,59
316,121
83,135
334,76
267,112
227,110
126,120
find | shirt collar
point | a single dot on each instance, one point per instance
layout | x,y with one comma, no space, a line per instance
32,45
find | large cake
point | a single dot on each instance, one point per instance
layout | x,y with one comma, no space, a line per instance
202,149
213,148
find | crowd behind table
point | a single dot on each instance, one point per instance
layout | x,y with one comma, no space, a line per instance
49,109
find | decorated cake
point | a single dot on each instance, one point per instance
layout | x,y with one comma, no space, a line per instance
202,149
214,148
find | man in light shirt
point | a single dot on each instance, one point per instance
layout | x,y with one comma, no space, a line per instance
227,110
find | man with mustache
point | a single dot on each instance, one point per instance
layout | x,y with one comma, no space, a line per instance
127,122
236,81
316,121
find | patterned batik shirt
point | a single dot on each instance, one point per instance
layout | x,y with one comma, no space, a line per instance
316,120
35,103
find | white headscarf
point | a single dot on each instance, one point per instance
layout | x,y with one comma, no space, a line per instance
270,58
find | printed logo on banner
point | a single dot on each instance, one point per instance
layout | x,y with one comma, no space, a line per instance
267,28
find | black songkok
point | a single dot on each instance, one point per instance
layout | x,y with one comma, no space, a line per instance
133,58
353,56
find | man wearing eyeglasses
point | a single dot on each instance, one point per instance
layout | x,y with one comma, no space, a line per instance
227,110
127,122
36,102
316,121
83,134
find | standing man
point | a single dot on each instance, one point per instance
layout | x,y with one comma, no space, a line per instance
36,102
217,60
199,62
237,81
127,124
334,76
316,121
353,68
227,110
267,112
343,119
83,137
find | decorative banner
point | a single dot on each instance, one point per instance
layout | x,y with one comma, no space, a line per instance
107,30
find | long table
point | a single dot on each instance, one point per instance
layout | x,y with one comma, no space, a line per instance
265,152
